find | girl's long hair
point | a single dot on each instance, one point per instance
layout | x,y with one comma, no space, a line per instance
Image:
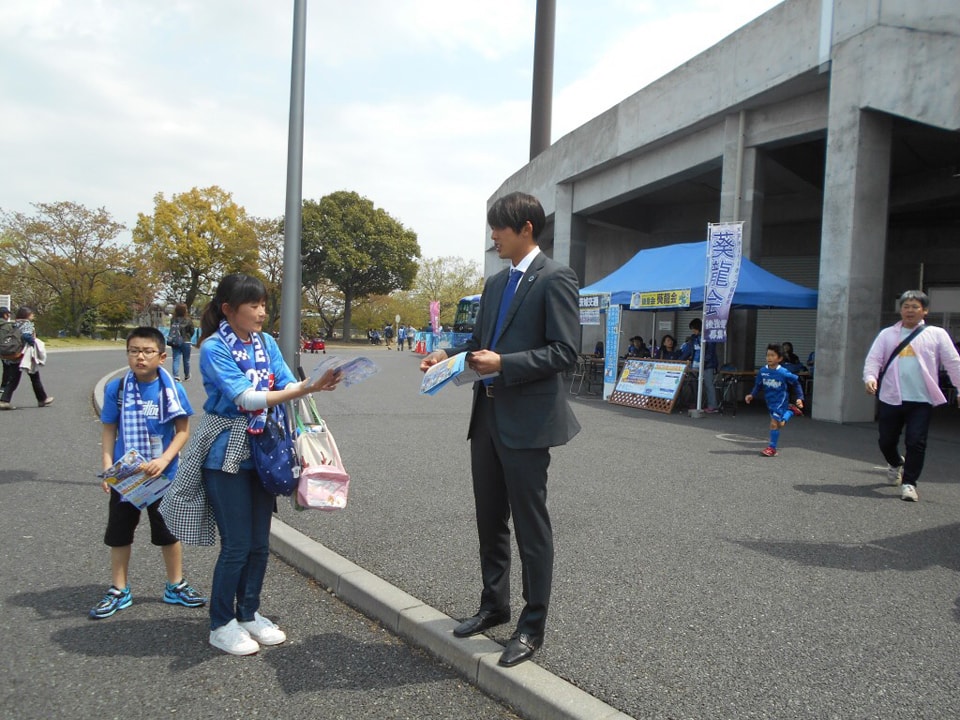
234,290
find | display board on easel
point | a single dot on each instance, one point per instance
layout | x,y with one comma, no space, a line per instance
649,385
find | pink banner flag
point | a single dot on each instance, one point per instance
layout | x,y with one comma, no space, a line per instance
435,315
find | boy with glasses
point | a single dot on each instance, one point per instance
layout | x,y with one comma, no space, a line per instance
146,410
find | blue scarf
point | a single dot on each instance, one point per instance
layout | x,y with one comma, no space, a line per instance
257,370
133,423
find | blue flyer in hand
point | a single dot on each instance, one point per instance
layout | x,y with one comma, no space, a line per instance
352,370
453,370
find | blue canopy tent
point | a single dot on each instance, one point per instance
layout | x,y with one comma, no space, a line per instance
679,267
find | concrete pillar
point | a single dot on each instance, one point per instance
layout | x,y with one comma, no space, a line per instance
852,253
742,200
569,233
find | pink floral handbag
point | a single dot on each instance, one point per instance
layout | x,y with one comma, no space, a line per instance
324,483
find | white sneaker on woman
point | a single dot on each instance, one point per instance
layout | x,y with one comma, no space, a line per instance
264,630
233,639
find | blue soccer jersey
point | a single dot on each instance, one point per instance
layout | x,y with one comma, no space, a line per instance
777,383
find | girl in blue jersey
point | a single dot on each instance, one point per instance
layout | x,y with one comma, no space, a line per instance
244,373
777,382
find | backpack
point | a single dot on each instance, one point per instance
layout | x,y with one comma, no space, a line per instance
175,336
11,339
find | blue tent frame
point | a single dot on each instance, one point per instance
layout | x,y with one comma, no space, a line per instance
682,266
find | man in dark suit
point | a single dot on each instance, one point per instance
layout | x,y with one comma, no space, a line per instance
527,330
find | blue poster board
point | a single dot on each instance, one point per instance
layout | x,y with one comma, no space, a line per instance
649,385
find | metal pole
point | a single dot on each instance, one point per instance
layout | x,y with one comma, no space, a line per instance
542,101
293,217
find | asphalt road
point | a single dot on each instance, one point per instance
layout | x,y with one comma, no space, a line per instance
152,660
694,578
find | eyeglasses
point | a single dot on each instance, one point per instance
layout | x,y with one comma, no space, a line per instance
146,352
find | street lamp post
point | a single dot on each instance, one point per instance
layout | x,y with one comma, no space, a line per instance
293,217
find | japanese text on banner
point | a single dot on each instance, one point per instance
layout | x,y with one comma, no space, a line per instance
724,251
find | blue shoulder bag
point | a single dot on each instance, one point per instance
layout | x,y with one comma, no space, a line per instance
274,453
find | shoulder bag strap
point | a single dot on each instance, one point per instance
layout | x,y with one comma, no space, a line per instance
896,351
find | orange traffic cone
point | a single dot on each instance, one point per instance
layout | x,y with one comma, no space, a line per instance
421,347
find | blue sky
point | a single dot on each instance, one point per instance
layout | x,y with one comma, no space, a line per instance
421,105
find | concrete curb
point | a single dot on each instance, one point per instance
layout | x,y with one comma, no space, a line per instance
531,690
534,692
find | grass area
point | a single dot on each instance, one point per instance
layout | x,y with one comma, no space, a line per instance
78,343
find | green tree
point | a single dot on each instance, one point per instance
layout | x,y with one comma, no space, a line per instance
446,279
269,238
69,259
195,238
360,248
323,299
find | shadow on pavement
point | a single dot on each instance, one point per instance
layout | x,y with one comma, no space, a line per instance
9,477
334,661
905,553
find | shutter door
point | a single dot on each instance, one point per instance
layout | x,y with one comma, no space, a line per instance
796,326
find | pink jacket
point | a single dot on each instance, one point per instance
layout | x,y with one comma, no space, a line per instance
933,348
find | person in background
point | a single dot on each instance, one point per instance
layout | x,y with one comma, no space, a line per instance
637,348
902,370
30,357
789,356
598,349
182,322
691,351
668,349
776,383
401,337
411,334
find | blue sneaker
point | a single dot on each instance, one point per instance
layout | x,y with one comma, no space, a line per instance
183,594
114,600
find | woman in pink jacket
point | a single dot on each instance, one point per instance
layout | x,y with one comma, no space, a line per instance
908,387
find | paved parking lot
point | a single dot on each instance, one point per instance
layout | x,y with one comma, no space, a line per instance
694,578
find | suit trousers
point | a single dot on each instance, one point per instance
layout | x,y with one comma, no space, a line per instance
510,481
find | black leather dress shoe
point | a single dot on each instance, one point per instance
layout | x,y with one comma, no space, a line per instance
483,620
520,648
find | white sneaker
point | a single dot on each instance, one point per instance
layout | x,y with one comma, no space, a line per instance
264,630
895,474
233,639
908,492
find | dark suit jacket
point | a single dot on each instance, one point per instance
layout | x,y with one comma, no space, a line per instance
538,341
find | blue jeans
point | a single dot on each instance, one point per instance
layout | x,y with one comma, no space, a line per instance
242,509
914,419
182,351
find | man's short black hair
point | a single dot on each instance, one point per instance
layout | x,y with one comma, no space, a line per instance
918,295
776,348
696,324
148,333
516,210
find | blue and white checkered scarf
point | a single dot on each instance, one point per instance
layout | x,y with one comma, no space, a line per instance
133,423
257,370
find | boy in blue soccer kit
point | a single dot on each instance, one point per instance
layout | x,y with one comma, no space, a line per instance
777,382
148,411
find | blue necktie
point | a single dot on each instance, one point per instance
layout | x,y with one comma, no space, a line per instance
508,292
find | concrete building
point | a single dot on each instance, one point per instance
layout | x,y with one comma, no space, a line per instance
831,128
